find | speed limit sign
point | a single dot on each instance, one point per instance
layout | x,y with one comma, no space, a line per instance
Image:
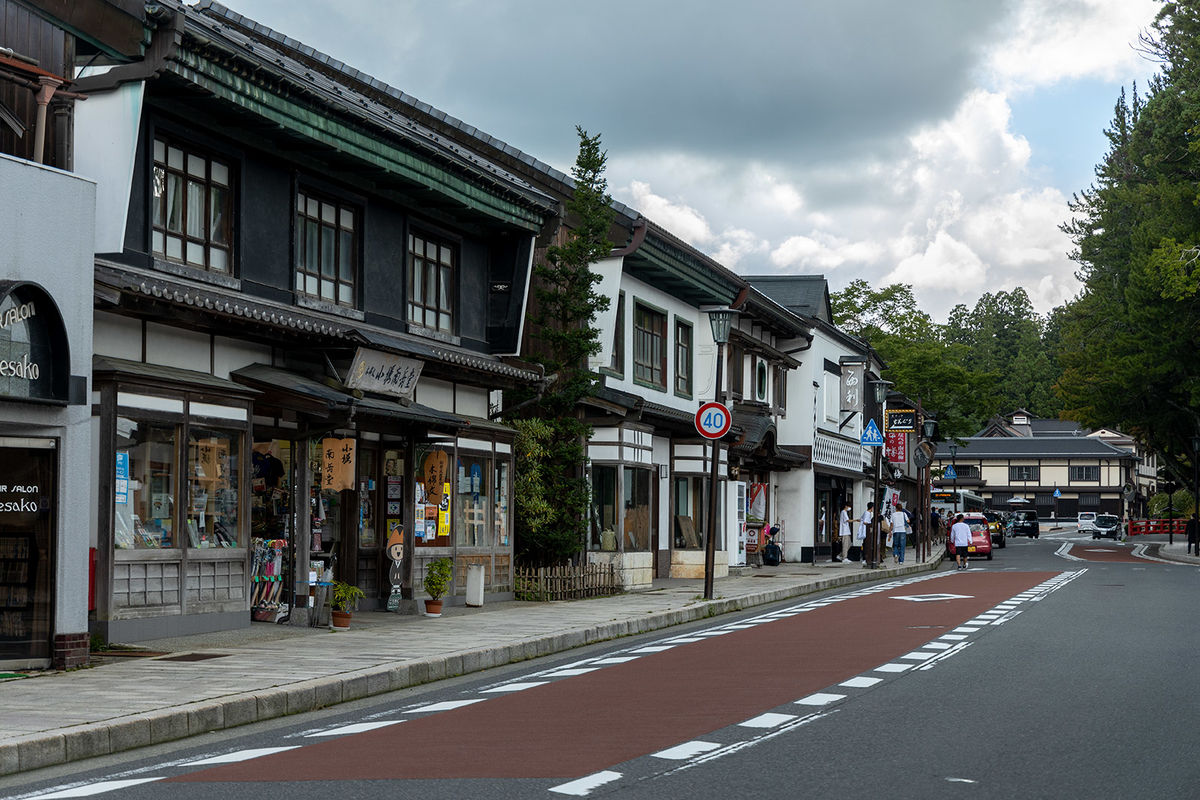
713,420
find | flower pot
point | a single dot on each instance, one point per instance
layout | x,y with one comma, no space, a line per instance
433,608
340,620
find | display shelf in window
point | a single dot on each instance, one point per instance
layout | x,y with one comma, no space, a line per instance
18,576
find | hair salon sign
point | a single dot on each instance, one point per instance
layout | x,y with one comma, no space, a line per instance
35,361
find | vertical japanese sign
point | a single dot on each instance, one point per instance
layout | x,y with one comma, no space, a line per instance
337,464
853,376
895,447
122,488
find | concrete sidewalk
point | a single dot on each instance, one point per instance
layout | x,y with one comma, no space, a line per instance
269,671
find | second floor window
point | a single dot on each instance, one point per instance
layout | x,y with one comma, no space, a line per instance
649,346
431,268
1024,473
683,358
616,362
326,249
193,203
1085,473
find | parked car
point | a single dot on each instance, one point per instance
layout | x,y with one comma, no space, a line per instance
1025,523
996,528
1106,526
1086,521
981,537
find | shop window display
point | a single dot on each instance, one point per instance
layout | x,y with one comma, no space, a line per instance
637,509
144,500
212,519
691,505
500,517
431,527
604,509
325,506
270,528
470,505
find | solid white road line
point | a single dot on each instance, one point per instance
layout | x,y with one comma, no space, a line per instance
241,755
767,720
444,706
358,727
581,787
682,752
514,687
96,788
820,699
860,683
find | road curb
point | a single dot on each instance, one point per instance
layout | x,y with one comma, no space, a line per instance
34,751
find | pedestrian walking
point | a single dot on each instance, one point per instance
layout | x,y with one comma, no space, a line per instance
935,525
899,532
845,537
960,537
864,525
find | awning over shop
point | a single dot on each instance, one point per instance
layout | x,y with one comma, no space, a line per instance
759,446
322,402
166,377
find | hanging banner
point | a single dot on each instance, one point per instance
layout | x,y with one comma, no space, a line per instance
895,447
337,464
853,376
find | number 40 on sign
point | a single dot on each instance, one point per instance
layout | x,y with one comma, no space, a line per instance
713,420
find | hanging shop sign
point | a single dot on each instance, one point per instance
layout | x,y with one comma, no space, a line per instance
900,419
35,365
384,373
853,376
895,447
337,464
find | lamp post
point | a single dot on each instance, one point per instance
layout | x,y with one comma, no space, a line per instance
954,466
1196,490
925,541
720,320
875,557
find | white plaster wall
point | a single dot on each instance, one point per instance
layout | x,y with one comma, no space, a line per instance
60,259
117,336
435,394
106,131
609,270
233,354
471,400
661,454
177,347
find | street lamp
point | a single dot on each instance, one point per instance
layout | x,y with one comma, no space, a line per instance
875,557
1195,493
924,535
720,320
954,466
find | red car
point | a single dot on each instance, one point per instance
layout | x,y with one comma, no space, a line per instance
981,537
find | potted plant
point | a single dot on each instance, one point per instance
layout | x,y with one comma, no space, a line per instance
345,600
437,581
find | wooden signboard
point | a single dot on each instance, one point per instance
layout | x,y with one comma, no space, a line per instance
437,466
337,464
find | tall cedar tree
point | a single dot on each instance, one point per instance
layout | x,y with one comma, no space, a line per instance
550,487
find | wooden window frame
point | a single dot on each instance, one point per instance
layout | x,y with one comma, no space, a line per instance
314,277
684,358
445,268
161,234
642,366
616,360
1034,471
1079,473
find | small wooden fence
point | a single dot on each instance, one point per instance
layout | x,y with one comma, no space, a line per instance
566,583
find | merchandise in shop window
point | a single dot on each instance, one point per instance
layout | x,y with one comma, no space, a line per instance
144,503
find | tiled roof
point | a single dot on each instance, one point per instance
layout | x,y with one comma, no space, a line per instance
1032,447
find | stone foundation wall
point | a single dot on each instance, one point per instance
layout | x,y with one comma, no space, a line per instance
634,570
71,650
690,564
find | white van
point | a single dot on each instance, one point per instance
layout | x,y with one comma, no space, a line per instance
1087,521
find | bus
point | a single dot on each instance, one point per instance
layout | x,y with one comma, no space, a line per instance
945,503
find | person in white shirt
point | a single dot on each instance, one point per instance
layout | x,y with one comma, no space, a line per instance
864,525
844,534
899,533
960,537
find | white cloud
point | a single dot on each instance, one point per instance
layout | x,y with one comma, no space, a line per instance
822,251
682,220
976,139
1055,40
946,263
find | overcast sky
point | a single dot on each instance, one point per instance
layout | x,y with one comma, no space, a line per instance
929,142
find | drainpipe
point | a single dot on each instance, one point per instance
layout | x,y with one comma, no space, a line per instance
43,95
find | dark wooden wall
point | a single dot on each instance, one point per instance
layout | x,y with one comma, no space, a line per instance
28,34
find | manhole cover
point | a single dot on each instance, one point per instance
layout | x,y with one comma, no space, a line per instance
195,657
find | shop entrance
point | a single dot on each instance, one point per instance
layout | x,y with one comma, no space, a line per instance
27,524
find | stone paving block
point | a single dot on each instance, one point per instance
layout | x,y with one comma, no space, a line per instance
42,751
454,665
418,672
399,677
272,704
327,693
128,734
205,718
300,699
240,711
378,682
10,759
471,661
86,742
437,669
354,687
168,726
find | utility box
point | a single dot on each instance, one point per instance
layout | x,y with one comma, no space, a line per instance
475,585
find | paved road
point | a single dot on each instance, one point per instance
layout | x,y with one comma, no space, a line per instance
1033,675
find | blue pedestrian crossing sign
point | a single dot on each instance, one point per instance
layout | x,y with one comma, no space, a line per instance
1057,493
871,437
951,474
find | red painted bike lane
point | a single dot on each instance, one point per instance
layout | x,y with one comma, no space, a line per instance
575,726
1106,553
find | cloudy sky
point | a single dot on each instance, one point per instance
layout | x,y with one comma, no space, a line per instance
929,142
